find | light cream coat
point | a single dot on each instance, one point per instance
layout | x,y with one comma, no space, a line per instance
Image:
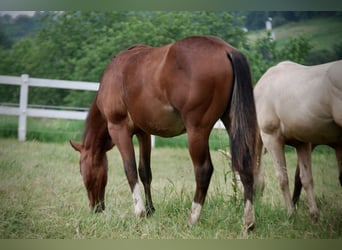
300,106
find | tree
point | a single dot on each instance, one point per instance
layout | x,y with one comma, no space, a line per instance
78,45
265,53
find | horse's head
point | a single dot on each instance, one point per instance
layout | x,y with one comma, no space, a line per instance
93,168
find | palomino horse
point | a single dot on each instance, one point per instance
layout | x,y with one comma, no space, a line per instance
300,106
182,87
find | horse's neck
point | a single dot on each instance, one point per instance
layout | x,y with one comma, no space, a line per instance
96,134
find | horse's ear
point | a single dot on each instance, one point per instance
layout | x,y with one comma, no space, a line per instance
76,145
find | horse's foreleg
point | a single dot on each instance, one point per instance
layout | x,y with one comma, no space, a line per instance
123,140
199,152
305,173
145,168
276,148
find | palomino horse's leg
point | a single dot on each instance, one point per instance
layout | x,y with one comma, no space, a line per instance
145,168
123,140
297,182
259,172
199,152
305,173
276,148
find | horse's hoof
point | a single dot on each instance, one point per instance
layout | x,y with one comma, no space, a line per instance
150,211
195,213
98,208
140,214
314,217
191,221
247,229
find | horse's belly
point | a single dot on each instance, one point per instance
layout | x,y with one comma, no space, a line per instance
315,133
164,121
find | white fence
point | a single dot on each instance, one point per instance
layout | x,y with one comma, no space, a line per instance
23,111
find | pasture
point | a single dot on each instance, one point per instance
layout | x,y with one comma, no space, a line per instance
320,31
42,196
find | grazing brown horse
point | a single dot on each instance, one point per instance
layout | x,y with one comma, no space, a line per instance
181,87
300,106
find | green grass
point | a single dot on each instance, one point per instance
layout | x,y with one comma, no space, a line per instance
41,129
42,196
323,33
59,130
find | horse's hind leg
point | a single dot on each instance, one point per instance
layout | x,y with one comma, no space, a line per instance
259,172
297,182
276,148
145,168
305,173
199,152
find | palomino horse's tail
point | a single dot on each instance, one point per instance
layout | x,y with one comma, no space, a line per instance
243,129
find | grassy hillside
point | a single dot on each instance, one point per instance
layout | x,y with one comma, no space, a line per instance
324,33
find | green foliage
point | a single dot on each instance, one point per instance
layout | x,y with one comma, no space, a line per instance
5,41
77,45
265,53
325,55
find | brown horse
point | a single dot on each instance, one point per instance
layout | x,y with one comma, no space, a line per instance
182,87
300,106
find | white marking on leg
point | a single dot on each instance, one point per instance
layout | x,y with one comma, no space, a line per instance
249,219
195,212
139,207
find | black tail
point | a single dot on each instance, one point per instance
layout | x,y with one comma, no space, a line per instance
243,129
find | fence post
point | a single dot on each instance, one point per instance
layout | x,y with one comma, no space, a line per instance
23,107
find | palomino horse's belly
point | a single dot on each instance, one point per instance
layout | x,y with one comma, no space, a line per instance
318,134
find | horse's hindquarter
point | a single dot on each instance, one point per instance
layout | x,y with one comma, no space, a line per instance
335,79
296,102
199,79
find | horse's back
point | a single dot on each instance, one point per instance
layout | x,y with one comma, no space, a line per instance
301,102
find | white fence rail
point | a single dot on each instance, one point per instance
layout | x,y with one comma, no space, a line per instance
23,111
